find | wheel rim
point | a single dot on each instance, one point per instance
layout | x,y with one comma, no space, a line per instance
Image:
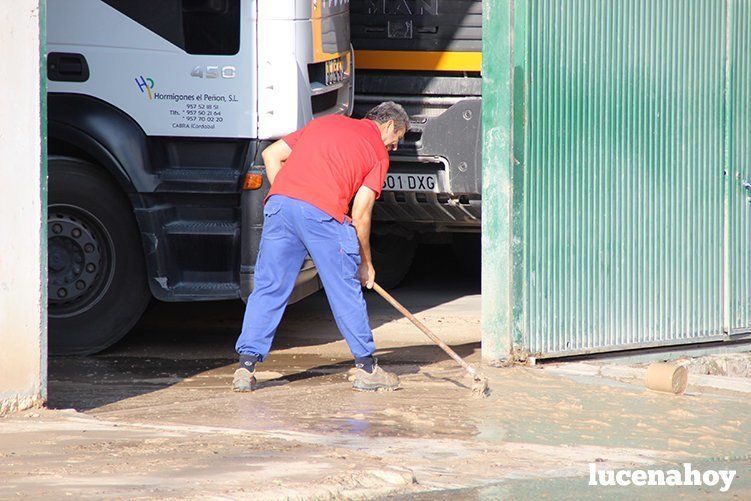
80,260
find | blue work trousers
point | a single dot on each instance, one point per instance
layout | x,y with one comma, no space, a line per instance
291,229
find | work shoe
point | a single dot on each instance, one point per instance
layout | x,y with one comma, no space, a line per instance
244,380
352,374
379,379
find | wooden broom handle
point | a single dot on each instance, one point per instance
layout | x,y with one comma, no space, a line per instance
404,311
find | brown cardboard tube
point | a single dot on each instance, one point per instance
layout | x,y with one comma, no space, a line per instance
667,377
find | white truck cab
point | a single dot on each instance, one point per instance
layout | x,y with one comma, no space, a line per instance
157,113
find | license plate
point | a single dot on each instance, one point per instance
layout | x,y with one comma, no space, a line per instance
411,182
334,71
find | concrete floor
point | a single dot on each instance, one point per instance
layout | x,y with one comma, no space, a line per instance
154,417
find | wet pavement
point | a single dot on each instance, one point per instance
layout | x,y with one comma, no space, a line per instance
154,416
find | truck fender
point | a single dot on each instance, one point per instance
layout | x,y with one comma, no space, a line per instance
104,133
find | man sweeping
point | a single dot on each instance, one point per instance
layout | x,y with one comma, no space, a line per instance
314,173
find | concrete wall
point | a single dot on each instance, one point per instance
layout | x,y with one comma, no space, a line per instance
23,329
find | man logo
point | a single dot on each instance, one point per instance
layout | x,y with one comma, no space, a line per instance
403,7
145,85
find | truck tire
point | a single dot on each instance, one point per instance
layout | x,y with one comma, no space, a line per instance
467,248
392,257
97,278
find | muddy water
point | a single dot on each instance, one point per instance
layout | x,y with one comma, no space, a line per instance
304,423
310,394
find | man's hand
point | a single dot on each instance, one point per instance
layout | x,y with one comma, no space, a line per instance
367,274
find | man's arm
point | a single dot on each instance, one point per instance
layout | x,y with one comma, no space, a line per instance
362,212
274,157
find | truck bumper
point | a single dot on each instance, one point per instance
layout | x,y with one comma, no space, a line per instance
448,145
440,209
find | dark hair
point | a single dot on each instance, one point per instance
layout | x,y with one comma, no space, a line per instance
389,110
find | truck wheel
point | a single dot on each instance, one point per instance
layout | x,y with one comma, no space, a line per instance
392,257
97,279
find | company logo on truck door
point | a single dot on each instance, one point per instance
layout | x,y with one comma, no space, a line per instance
145,85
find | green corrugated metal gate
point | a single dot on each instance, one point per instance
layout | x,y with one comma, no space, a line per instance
739,167
616,172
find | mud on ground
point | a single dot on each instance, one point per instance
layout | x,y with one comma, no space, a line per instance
154,417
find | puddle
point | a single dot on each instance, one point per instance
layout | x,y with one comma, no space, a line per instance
492,431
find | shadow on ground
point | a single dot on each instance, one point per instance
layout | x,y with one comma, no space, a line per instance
174,341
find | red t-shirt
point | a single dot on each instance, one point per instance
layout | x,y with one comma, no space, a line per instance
332,157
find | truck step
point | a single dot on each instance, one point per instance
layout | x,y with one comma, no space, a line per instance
184,174
202,228
216,290
198,180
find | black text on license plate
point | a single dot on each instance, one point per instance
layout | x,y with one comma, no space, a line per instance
334,71
411,182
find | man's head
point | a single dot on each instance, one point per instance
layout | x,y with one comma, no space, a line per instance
392,121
